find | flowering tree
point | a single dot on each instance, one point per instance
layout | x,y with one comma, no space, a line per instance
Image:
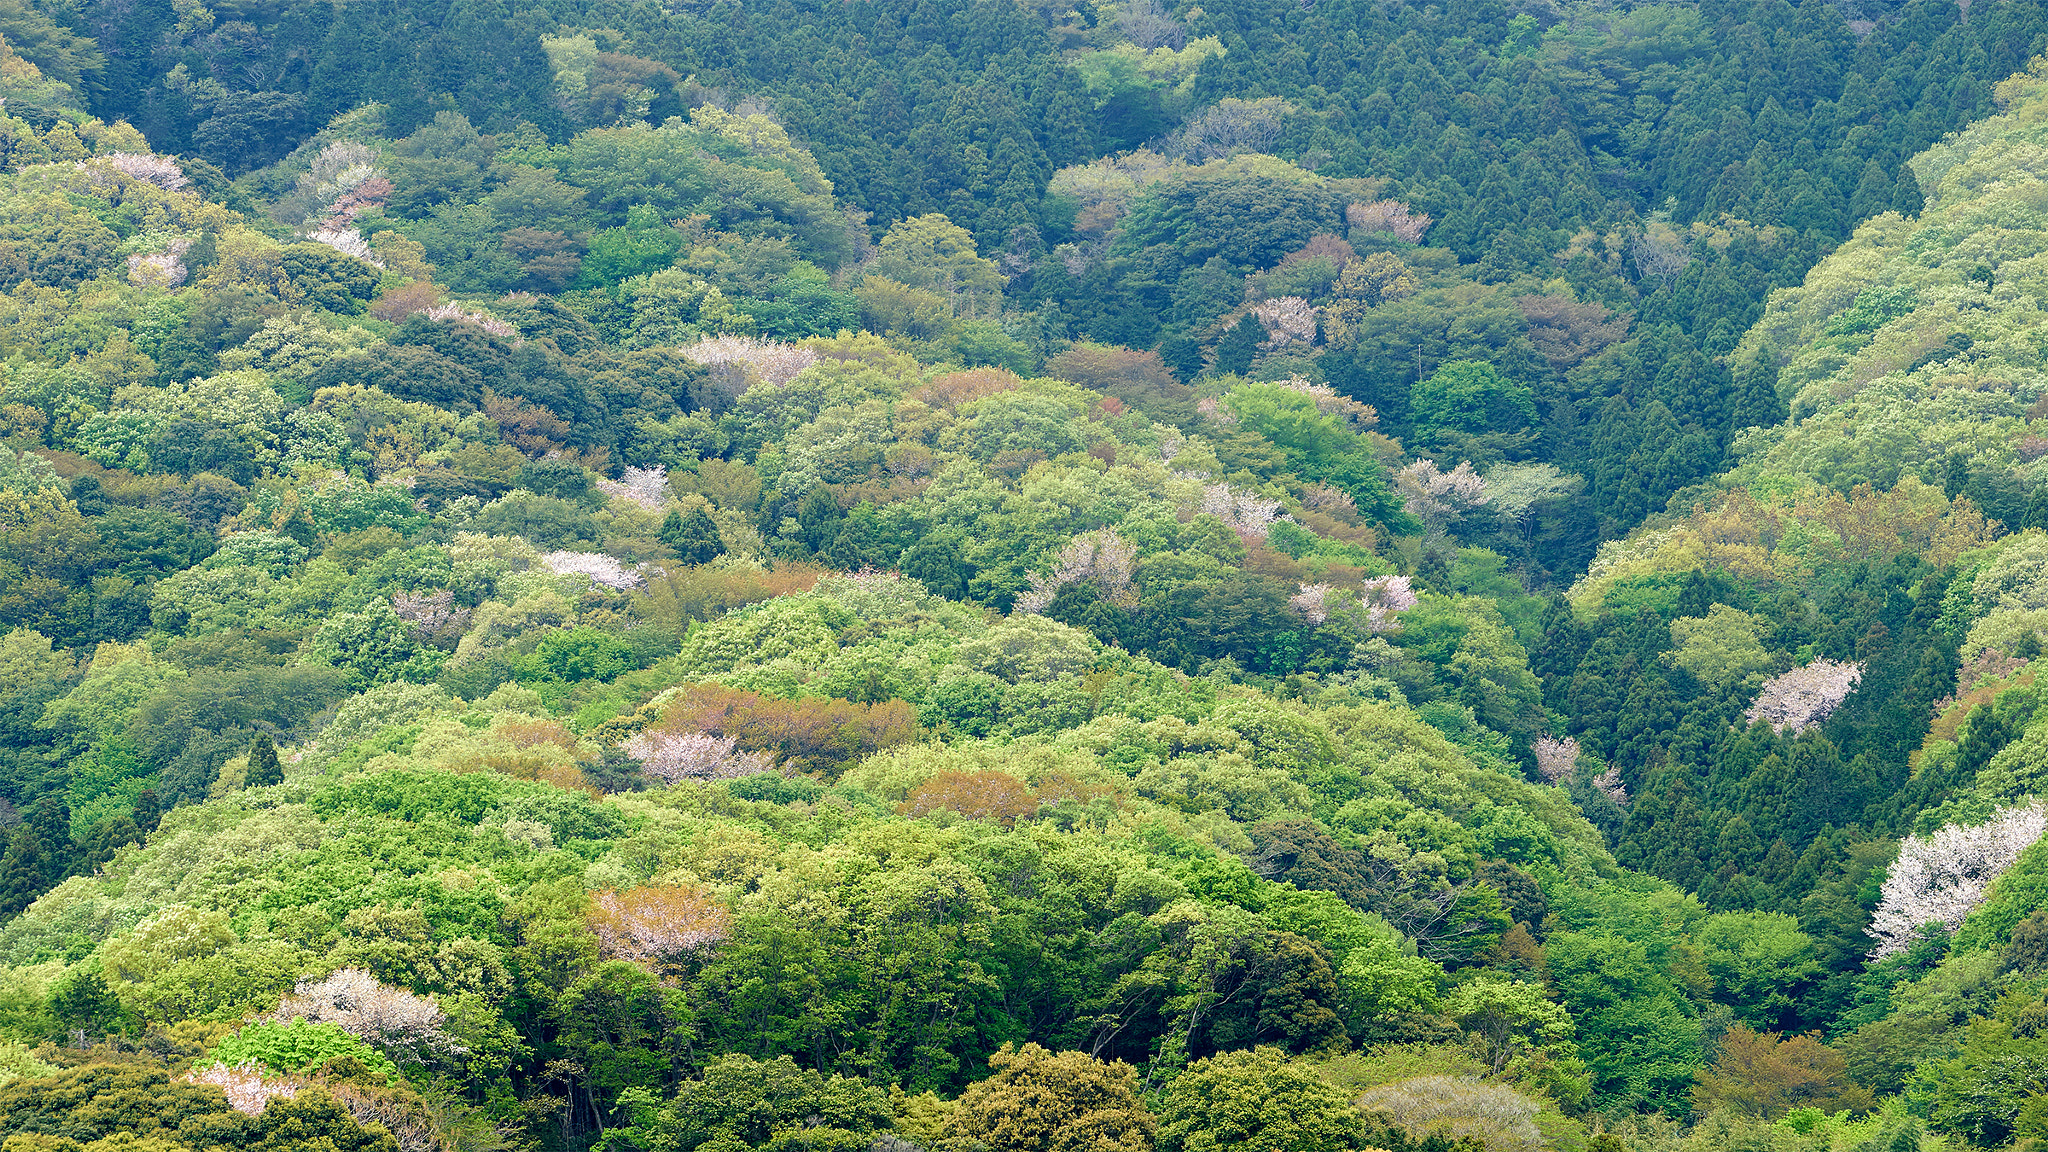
647,487
249,1086
388,1018
1797,700
1941,878
1313,602
1386,597
457,314
608,571
1439,498
657,925
1287,320
161,171
1249,515
773,361
1388,216
433,615
1330,402
1100,557
1556,758
670,757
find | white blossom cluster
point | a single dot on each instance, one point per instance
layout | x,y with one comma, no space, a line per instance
773,361
1386,597
348,242
657,924
608,571
161,171
1288,320
1330,402
1437,498
431,614
1610,783
1101,557
165,269
1797,700
1388,216
1248,514
1324,498
1556,758
1943,877
456,313
249,1089
668,757
647,487
1216,410
378,1014
1313,602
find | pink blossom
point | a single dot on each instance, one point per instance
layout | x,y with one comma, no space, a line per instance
656,924
1313,602
248,1086
669,757
1388,216
1248,514
1100,557
457,314
1555,758
376,1013
1797,700
1386,597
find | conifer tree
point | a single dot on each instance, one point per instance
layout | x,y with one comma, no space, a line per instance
264,768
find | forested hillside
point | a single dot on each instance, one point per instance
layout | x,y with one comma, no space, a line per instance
903,577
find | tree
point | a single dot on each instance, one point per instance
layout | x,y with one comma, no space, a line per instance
1766,1075
1472,397
741,1102
1038,1101
264,768
693,538
1255,1100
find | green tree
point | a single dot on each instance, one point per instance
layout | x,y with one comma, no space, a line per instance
693,538
1255,1099
1037,1101
264,767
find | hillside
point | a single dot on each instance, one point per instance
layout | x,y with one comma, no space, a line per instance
879,577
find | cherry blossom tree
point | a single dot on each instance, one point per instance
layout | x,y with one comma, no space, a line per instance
608,571
1797,700
670,757
647,487
1248,514
1288,320
1943,877
772,361
1384,598
1438,498
161,171
1101,557
1555,758
385,1017
1388,216
657,925
249,1087
1314,602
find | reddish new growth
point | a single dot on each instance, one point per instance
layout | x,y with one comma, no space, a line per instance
657,924
1797,700
984,795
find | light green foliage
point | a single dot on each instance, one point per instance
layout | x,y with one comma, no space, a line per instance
1254,1099
1721,648
298,1046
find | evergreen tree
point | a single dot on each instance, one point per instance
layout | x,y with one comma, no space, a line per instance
24,870
264,767
693,538
1235,351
